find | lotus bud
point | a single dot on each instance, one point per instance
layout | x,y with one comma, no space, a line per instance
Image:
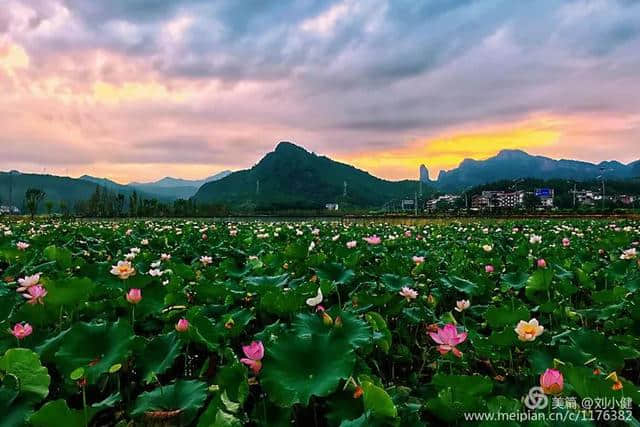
358,393
326,319
552,381
338,322
431,301
182,325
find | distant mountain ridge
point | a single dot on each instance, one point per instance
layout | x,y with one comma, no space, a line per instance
176,188
514,164
169,181
165,188
291,177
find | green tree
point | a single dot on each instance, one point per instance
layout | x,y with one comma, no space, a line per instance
64,208
32,198
531,201
49,206
133,204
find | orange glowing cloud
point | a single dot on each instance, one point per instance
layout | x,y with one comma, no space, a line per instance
135,91
448,150
12,57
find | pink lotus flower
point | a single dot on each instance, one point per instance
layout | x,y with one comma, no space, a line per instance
182,325
566,242
542,263
134,296
488,268
352,244
27,282
407,233
408,293
21,330
123,269
254,353
35,294
529,331
418,260
206,260
552,381
22,246
448,338
372,240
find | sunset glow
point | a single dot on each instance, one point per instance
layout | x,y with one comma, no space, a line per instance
191,88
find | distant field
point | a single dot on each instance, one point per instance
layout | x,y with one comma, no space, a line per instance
326,321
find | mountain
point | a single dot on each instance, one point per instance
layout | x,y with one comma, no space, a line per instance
424,174
176,188
514,164
293,178
58,189
104,182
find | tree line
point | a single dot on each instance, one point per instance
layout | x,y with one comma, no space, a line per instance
105,203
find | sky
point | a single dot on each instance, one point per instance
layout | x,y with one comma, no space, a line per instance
142,89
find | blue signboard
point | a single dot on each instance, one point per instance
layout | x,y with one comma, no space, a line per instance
543,192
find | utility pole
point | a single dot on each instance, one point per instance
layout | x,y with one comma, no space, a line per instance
415,204
344,191
10,192
257,187
602,170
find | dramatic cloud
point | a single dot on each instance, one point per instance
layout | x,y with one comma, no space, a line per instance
139,89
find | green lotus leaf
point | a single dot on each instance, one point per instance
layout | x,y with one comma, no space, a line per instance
220,412
57,413
13,409
311,359
158,355
353,333
262,283
336,273
461,285
33,378
281,303
516,280
184,396
232,379
152,301
588,344
69,292
394,283
378,324
95,347
506,314
539,283
61,256
378,401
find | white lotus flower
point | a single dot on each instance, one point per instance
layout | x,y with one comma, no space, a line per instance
312,302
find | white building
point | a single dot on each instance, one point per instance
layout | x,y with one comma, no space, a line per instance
432,205
9,210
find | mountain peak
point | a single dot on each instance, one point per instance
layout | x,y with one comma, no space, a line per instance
512,153
424,173
286,146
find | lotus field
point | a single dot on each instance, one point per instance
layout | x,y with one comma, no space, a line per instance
203,323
